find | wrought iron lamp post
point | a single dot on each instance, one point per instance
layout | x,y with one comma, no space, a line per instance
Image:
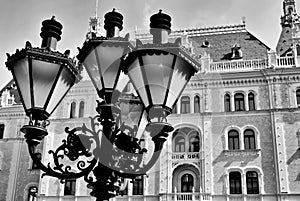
159,73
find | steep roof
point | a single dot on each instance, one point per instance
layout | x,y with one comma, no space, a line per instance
221,40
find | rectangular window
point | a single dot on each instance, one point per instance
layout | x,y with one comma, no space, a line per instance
138,186
70,185
2,126
252,182
235,183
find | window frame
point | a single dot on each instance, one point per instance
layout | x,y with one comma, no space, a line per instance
81,109
235,178
189,184
298,97
138,186
72,113
251,101
70,189
185,105
248,139
253,182
179,147
192,147
227,103
235,139
32,196
239,102
196,104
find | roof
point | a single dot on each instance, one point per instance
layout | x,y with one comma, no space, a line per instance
220,40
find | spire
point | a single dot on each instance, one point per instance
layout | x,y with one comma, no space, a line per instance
94,24
290,15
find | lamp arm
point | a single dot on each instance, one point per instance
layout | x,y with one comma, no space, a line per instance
60,173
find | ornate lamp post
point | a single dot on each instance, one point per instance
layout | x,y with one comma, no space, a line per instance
158,71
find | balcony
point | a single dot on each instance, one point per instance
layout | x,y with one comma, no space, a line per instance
242,65
185,197
248,65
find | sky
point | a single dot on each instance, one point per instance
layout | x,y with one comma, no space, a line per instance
20,21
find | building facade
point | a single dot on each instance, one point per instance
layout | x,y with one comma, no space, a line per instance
236,126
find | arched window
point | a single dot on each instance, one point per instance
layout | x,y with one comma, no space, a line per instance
32,192
235,183
196,104
252,182
70,186
81,109
249,139
194,143
187,183
185,105
227,103
298,97
251,101
179,144
138,186
72,110
239,102
233,140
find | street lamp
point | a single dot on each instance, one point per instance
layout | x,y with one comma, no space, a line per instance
159,73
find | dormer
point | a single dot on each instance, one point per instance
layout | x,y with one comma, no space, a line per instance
236,52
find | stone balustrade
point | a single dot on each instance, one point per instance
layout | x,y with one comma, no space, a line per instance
247,65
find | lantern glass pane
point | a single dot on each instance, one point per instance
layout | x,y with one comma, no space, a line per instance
21,76
43,75
109,58
157,70
91,66
181,75
131,113
136,77
65,81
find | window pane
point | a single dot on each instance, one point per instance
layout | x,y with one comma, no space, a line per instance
81,109
249,139
233,140
239,102
194,144
227,103
72,110
138,186
196,104
179,144
298,96
187,183
32,192
252,182
251,101
70,187
235,183
185,104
